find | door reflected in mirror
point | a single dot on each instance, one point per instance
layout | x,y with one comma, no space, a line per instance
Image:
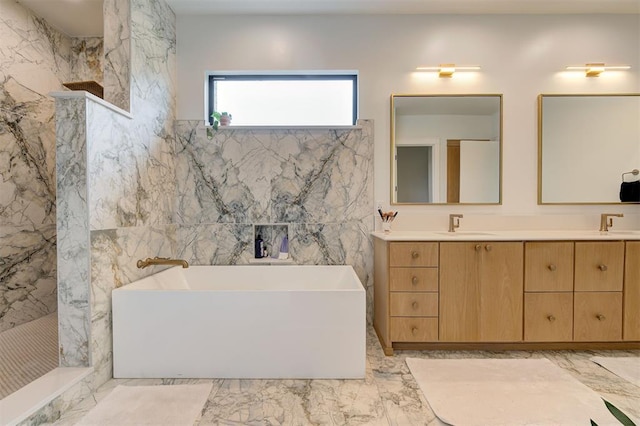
588,145
446,149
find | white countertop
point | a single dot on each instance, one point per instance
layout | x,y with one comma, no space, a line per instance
536,235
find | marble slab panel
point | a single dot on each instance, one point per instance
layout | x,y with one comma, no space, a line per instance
87,58
130,173
215,243
73,233
114,253
34,59
117,53
27,213
274,176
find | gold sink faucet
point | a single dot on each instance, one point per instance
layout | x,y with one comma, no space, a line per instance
161,261
454,222
606,220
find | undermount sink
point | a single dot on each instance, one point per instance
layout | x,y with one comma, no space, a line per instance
463,233
621,233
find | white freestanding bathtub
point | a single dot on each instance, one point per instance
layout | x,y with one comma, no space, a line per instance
241,322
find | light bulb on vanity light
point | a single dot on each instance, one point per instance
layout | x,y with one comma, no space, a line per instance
447,70
594,69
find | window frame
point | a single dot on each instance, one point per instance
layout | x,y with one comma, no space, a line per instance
348,75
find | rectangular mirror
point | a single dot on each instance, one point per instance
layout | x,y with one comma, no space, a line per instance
446,149
588,145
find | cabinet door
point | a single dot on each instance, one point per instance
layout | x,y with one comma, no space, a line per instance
548,266
481,288
548,317
599,266
597,316
631,326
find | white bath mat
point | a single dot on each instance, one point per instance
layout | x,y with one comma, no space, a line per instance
149,405
506,392
626,367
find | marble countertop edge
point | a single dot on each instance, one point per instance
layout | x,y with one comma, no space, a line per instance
524,235
92,97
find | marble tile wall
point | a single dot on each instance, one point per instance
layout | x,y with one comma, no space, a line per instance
117,52
129,169
319,182
34,59
87,58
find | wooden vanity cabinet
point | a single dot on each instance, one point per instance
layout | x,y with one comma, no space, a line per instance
481,285
599,272
460,294
631,297
548,297
406,292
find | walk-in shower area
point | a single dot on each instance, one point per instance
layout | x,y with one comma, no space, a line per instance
35,59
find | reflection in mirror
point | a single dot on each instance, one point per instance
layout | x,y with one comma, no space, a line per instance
588,146
446,149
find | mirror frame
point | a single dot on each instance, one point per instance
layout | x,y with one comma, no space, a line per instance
576,203
392,145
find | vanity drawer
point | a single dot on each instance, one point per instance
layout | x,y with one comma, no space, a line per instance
599,266
405,304
548,266
548,317
597,316
413,279
414,329
413,254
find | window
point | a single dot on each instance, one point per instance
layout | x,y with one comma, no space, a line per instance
276,99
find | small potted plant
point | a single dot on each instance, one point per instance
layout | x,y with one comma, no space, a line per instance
220,119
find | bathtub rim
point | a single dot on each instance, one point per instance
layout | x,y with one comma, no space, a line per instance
159,281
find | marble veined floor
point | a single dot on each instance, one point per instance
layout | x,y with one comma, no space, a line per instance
387,396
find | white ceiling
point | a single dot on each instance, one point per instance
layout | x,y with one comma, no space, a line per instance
402,6
83,18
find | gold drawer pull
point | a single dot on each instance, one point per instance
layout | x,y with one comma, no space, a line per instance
552,267
603,267
478,247
488,247
415,305
551,318
415,254
414,330
414,280
601,317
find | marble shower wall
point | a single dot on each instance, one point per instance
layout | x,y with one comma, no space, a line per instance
126,211
319,182
34,59
87,58
117,52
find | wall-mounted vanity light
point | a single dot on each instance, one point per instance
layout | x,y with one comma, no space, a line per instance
596,68
447,70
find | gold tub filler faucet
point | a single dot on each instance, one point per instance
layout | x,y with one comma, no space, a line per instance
161,261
